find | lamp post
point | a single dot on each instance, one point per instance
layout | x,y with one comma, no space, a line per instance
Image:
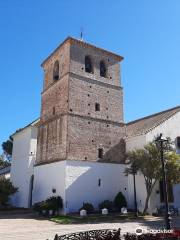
161,142
135,199
134,169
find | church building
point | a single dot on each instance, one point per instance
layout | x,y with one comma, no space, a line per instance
77,148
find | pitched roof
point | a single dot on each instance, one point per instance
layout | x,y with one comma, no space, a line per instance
144,125
34,123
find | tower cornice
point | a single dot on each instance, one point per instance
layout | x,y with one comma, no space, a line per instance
72,40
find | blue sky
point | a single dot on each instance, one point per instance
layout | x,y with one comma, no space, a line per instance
145,32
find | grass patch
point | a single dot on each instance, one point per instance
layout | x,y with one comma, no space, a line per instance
62,219
93,218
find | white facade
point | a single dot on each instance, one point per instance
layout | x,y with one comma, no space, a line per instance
77,182
169,128
47,178
82,181
93,182
22,167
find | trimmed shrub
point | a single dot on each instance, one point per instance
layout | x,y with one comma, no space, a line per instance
37,207
52,203
88,207
120,201
106,204
44,206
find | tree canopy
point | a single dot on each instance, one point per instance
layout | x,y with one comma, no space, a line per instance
3,162
6,189
147,162
7,147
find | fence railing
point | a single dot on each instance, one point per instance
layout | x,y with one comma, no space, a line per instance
115,234
103,234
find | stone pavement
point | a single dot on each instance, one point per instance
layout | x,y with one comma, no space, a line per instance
29,227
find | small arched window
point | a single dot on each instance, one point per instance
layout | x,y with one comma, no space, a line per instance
88,64
56,71
103,71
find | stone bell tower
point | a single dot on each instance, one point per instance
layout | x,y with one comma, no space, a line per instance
82,105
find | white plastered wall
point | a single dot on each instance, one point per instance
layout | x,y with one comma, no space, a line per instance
169,128
77,182
48,177
136,142
23,156
82,183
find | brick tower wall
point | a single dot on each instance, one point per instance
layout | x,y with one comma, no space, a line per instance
70,128
52,132
88,129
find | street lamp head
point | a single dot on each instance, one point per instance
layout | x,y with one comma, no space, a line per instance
160,138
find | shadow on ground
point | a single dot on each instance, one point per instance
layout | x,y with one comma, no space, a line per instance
148,222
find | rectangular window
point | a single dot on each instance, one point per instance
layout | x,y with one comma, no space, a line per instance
97,107
100,153
99,182
54,110
178,142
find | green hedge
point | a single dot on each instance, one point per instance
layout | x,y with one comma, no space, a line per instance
52,203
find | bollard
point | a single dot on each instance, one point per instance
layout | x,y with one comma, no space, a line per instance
104,211
83,213
124,210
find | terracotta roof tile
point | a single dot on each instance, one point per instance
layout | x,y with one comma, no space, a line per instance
143,125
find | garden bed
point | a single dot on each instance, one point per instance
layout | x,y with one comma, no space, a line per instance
93,218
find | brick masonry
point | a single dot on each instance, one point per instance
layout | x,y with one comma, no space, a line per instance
70,128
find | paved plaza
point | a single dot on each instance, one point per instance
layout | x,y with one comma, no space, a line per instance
29,227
